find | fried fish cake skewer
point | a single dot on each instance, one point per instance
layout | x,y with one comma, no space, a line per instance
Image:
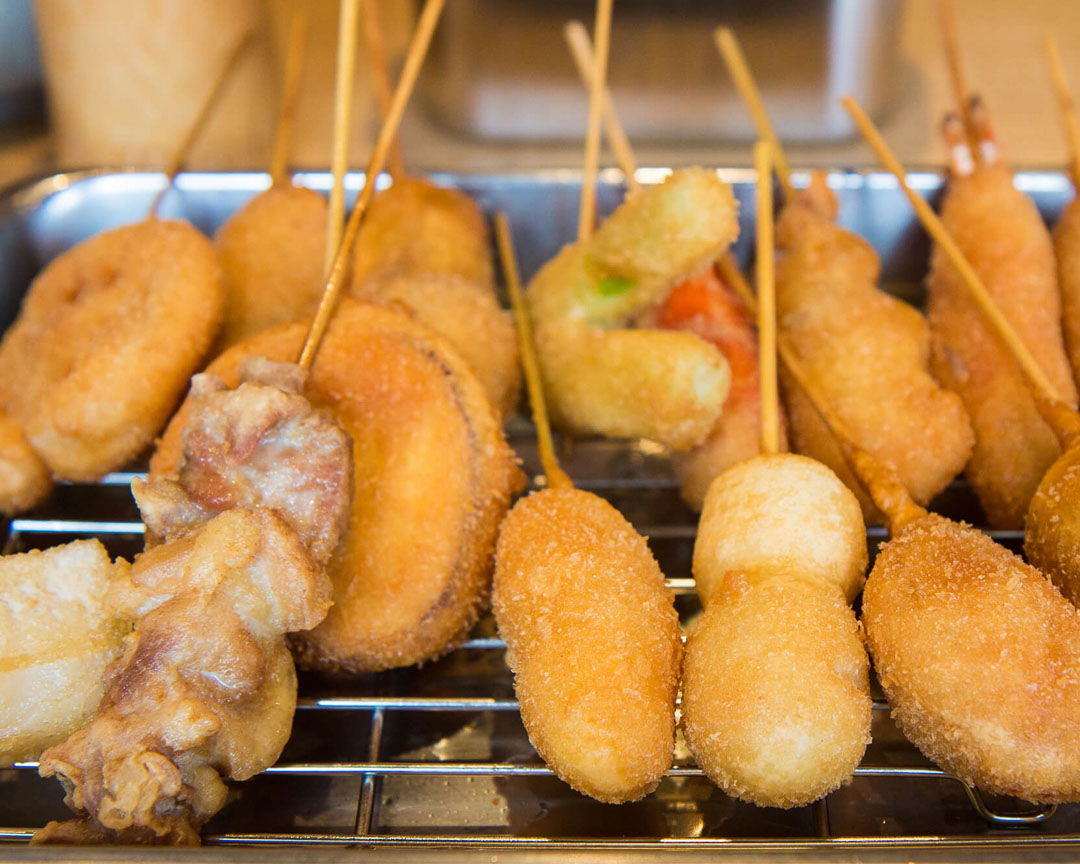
591,630
776,703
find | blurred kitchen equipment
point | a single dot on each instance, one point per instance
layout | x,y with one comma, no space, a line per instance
20,66
126,79
499,69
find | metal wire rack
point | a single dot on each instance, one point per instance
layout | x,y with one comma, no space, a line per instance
437,756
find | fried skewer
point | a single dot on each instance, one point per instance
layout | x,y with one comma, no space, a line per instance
587,209
961,94
591,629
831,310
271,248
776,703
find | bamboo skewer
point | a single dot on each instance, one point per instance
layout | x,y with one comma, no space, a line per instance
554,475
375,51
587,213
577,38
345,75
936,229
180,156
1066,106
729,49
421,39
947,22
290,91
766,293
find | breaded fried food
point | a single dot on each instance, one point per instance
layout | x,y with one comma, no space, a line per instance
1052,524
415,228
593,640
980,658
432,480
205,688
467,314
104,344
868,354
272,252
776,695
1066,236
24,479
63,618
1000,232
604,377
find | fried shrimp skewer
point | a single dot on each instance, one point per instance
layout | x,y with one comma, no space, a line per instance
830,312
591,630
776,703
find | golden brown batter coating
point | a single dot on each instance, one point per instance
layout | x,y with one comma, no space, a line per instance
272,251
24,478
867,352
107,337
593,639
1000,231
205,688
776,694
432,480
1066,237
980,658
1052,525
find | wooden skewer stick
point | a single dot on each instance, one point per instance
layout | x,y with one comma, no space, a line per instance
375,50
880,479
205,110
554,475
947,22
421,39
577,37
766,293
1067,106
587,213
345,76
729,49
936,229
290,93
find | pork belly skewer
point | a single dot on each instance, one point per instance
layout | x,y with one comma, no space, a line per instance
776,696
591,629
978,652
706,306
830,311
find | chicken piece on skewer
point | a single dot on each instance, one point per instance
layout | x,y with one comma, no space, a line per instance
24,478
604,376
707,306
205,688
867,351
426,248
64,614
1001,233
258,445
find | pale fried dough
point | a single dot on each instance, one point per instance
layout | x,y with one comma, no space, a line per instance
593,639
432,481
107,337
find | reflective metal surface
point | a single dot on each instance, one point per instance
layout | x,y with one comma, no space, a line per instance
437,756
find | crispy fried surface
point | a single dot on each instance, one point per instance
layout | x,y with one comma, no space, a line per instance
258,445
1052,525
776,695
602,377
593,640
1003,236
470,318
868,354
24,479
205,686
432,480
776,703
1066,237
104,344
415,228
272,251
63,618
980,658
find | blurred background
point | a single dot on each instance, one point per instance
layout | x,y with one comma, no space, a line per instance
115,82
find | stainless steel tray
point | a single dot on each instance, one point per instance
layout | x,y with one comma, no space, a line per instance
416,763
